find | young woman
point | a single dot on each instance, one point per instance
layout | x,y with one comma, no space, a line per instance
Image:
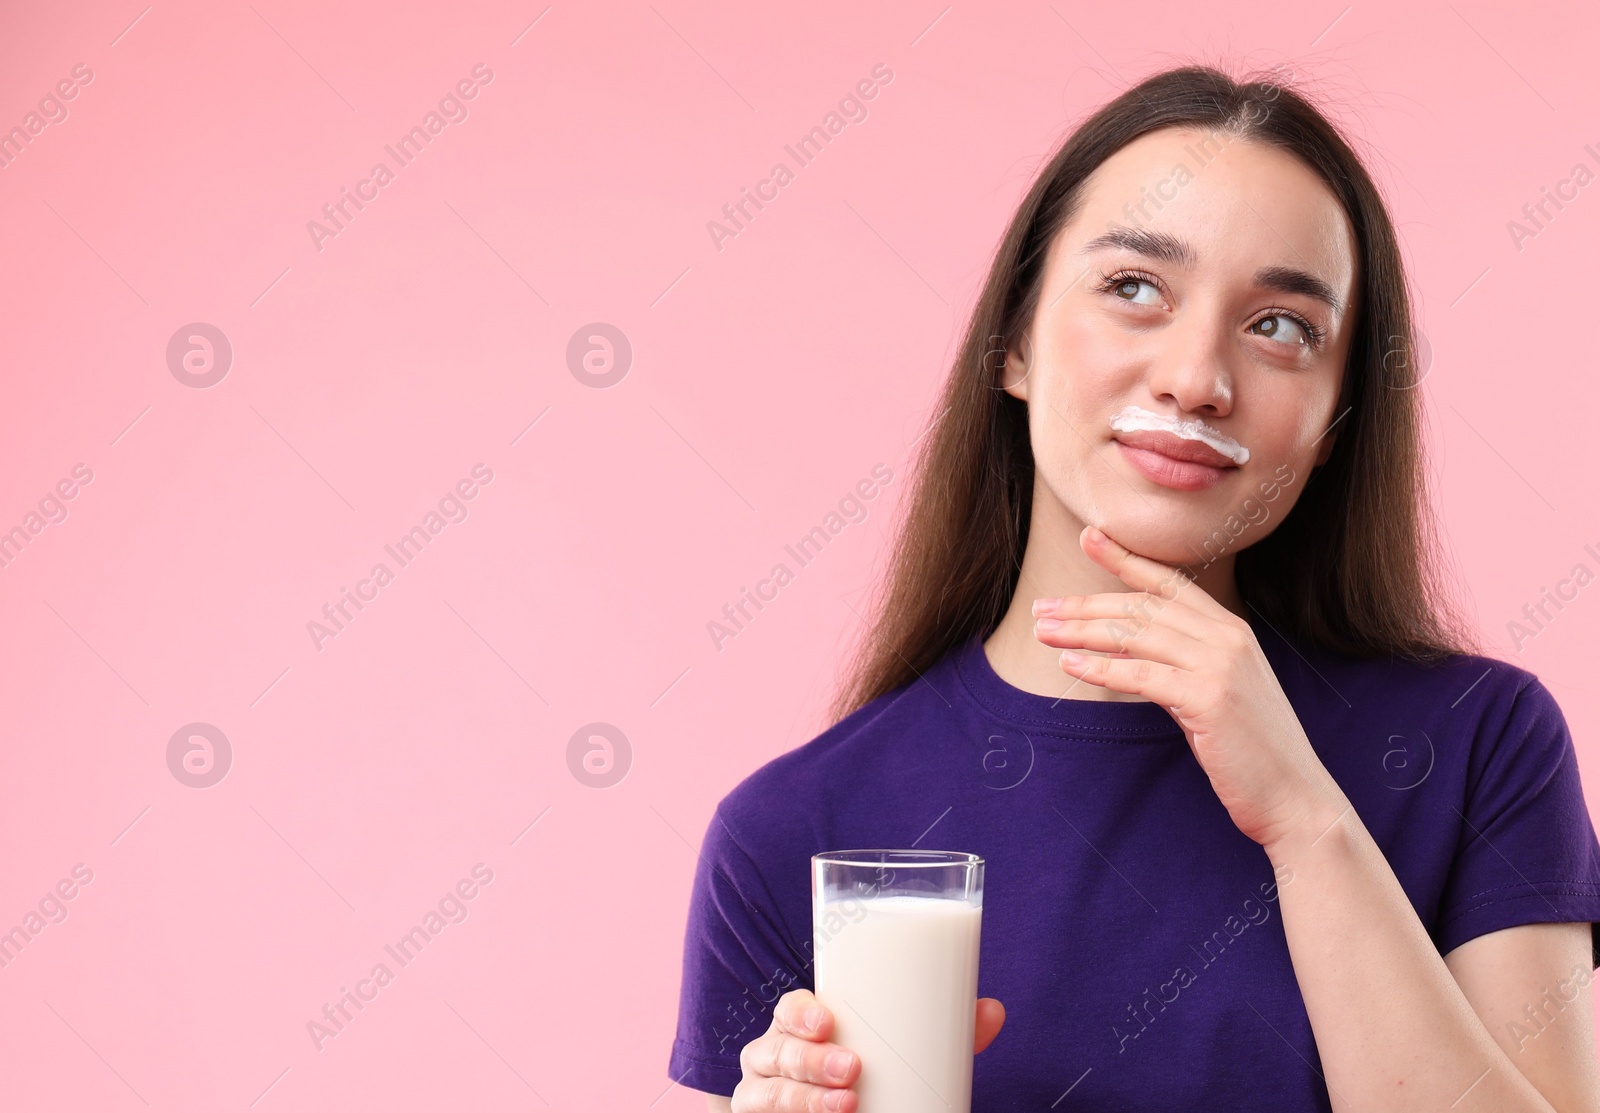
1161,643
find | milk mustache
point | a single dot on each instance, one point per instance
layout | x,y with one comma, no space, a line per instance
900,975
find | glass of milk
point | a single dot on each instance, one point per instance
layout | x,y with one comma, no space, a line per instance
895,934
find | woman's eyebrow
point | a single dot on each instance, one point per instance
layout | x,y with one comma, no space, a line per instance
1288,280
1157,245
1170,249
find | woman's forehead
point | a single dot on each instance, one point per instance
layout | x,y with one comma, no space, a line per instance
1223,203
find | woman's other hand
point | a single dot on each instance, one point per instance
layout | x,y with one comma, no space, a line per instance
792,1068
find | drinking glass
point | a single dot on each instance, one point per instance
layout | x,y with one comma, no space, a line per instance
895,935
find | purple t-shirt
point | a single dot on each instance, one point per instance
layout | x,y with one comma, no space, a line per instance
1132,932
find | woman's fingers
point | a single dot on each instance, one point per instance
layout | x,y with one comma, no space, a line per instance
795,1049
1136,676
991,1015
784,1055
799,1012
1162,580
791,1069
1143,639
1136,608
780,1095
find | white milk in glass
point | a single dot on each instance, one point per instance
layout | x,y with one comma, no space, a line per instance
900,975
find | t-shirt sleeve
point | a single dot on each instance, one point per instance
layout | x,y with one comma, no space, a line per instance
738,959
1527,852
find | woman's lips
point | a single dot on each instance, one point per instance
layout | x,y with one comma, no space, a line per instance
1172,461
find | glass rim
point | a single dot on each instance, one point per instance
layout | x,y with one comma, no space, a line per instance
931,858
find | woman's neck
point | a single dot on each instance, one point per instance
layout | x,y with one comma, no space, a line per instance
1055,565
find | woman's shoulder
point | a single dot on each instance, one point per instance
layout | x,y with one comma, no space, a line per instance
1393,717
1465,772
1470,684
882,740
835,749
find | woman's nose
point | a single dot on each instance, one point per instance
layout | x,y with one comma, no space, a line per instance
1193,372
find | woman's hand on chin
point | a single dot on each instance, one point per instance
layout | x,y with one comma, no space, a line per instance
1175,645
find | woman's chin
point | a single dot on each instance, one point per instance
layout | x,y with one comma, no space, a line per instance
1174,543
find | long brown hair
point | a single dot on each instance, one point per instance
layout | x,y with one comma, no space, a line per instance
1352,567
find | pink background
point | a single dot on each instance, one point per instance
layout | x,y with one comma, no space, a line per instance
369,776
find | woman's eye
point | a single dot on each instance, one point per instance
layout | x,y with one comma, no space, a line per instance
1281,327
1128,290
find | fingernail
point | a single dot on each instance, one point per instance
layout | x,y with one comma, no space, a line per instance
1040,606
1070,658
1047,624
838,1063
813,1018
833,1099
